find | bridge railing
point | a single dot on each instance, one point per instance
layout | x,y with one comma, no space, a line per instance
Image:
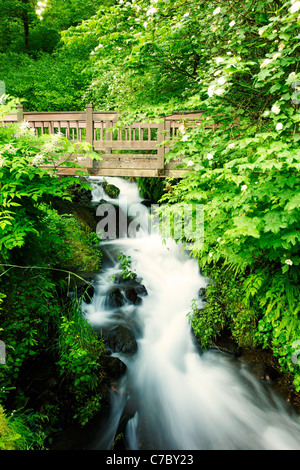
131,150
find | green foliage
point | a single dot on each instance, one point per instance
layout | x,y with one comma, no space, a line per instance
24,184
61,15
17,19
80,352
207,323
72,242
151,188
241,71
32,312
63,89
125,261
28,315
225,309
26,431
8,438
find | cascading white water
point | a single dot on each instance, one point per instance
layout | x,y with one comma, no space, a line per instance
184,399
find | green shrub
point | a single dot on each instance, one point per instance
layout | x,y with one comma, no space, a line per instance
225,309
79,361
24,184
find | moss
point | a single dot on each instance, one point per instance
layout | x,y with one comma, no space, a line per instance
111,190
84,256
224,310
8,438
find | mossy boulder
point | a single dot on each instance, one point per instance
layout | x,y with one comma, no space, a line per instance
111,190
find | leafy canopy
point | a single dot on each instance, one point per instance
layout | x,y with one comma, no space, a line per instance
237,63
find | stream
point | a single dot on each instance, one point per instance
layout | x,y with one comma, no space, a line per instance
179,397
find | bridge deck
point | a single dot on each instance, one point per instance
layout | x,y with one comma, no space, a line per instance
133,150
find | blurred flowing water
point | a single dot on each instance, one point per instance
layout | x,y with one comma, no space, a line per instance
182,398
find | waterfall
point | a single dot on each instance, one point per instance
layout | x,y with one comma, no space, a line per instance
183,399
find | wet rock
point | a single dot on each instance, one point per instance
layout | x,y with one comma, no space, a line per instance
201,293
135,283
128,413
146,202
118,279
141,289
131,294
121,339
111,190
138,301
119,443
115,299
113,366
271,373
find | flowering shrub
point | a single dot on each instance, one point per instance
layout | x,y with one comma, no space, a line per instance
238,63
23,183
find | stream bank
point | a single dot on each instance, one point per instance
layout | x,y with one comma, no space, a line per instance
47,390
261,363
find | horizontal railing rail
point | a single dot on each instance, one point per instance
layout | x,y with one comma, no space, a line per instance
131,150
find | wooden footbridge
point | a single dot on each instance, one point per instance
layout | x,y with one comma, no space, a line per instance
131,150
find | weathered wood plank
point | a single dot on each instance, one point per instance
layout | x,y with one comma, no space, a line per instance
126,164
126,172
66,116
125,145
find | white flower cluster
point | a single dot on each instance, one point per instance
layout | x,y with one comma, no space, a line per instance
266,62
289,262
41,8
52,144
10,149
151,11
295,6
214,90
38,159
275,109
181,128
2,162
23,128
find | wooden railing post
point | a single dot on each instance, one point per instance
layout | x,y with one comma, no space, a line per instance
89,124
20,113
161,148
